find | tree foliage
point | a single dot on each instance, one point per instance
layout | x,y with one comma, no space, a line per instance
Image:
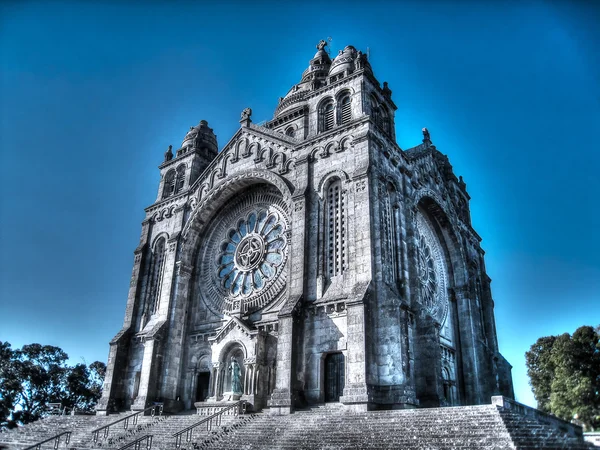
35,375
564,372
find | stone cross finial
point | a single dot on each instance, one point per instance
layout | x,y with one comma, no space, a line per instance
246,113
245,119
321,45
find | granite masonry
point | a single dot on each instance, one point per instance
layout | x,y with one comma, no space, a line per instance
310,260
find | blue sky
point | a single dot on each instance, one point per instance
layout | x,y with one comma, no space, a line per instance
91,95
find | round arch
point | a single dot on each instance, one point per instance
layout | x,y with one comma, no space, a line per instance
217,197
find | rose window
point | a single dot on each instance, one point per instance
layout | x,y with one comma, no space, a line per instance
243,257
251,253
427,276
431,271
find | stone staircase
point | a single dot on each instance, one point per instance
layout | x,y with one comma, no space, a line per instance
325,427
42,429
472,427
161,428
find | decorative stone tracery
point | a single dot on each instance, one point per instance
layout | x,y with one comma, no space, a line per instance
431,271
243,257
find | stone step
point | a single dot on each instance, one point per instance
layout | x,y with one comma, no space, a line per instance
323,427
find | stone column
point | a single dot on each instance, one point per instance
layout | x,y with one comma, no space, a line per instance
428,361
145,394
216,391
281,399
355,390
171,387
469,358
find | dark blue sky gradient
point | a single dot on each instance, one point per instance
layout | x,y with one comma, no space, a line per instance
91,95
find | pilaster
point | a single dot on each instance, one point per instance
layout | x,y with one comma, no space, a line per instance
147,382
355,390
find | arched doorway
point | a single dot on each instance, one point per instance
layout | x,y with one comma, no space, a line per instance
335,377
202,386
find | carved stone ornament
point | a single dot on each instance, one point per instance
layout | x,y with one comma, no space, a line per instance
431,271
243,258
246,113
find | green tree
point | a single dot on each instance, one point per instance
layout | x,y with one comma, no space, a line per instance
540,369
9,385
564,373
36,375
84,385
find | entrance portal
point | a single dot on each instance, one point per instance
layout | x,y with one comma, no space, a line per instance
335,376
202,386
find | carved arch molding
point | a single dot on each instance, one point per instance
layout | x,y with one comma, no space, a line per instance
242,259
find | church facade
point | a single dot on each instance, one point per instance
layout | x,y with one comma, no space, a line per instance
311,260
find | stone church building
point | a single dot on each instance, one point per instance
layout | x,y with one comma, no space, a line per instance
311,260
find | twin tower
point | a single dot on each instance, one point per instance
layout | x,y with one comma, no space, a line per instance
311,260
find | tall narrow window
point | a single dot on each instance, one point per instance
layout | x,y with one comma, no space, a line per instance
327,116
384,121
374,110
180,179
169,185
335,243
388,235
156,268
345,110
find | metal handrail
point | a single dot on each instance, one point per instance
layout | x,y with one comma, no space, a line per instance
105,428
56,438
209,422
136,444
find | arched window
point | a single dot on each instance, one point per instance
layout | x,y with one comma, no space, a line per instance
384,120
327,116
155,275
290,131
335,230
388,232
169,185
446,381
180,180
374,109
344,109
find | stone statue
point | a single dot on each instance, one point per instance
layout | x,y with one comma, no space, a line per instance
426,136
246,113
236,381
169,154
321,45
359,60
386,89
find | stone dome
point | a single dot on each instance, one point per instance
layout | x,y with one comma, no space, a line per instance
318,66
201,136
344,61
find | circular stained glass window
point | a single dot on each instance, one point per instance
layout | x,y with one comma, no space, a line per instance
427,277
431,271
251,253
243,256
